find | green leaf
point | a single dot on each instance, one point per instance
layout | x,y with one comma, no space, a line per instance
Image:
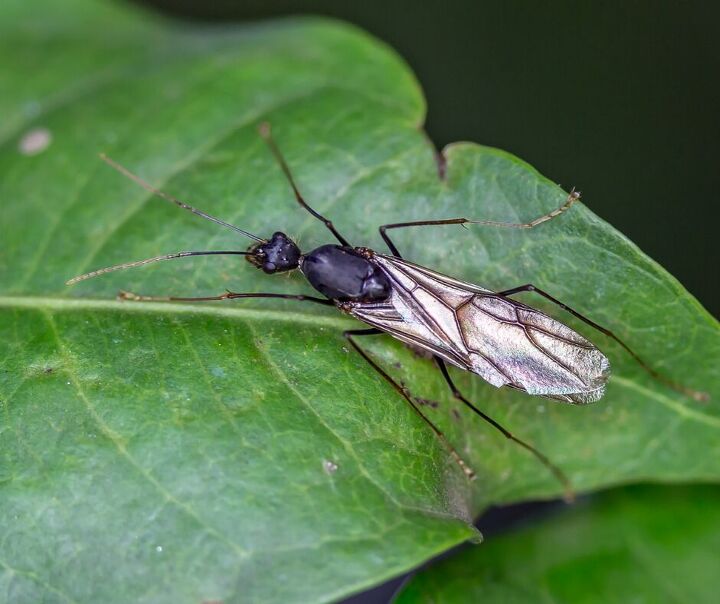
154,452
638,544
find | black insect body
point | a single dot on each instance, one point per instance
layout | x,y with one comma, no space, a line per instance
503,341
345,274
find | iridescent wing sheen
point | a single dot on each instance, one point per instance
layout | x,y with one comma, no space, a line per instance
505,342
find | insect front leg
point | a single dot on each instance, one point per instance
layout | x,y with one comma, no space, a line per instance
557,472
228,295
529,287
403,391
265,132
571,199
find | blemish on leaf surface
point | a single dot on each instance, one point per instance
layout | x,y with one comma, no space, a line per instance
35,141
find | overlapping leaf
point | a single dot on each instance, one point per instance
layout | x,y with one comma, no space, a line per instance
639,544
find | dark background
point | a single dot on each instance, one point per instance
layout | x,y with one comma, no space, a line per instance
620,100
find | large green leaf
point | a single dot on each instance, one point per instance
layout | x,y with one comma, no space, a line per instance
638,544
175,453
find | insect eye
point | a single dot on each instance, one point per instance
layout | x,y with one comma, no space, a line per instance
269,267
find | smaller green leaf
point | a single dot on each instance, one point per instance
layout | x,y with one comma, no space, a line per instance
639,544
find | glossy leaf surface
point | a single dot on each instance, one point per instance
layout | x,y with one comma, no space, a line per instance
239,451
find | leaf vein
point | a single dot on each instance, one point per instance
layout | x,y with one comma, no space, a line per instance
116,440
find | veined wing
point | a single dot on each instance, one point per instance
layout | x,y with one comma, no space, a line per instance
505,342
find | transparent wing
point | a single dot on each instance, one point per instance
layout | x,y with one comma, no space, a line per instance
505,342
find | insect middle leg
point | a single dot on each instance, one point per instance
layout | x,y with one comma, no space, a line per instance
403,391
228,295
571,199
557,472
529,287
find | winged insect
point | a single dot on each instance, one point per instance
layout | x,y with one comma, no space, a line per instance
505,342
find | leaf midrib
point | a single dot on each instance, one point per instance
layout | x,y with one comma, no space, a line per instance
280,316
46,304
172,308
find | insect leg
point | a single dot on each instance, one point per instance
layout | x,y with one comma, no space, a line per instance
403,391
264,130
228,295
557,472
571,199
529,287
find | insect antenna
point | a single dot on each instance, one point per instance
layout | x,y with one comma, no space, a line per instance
148,187
124,265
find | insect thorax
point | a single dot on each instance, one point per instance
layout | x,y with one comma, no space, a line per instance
345,274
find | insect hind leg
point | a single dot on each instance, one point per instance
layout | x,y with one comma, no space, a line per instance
569,494
404,392
529,287
572,197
